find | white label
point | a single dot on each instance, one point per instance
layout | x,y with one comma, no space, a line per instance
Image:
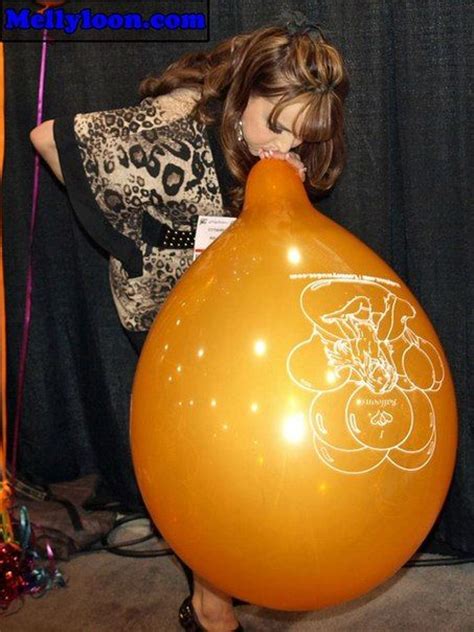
209,228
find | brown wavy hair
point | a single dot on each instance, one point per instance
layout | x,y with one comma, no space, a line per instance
269,62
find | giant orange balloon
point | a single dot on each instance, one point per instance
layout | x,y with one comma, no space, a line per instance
293,418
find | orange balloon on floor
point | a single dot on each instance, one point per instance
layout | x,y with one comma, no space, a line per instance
293,418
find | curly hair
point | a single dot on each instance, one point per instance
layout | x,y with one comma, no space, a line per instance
269,62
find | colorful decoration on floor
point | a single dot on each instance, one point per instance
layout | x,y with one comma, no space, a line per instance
22,572
293,413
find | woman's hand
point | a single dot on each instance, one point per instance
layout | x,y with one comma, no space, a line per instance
290,156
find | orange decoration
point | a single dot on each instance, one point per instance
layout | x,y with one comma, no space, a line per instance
293,418
2,116
6,531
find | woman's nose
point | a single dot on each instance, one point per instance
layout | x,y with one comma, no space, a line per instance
284,144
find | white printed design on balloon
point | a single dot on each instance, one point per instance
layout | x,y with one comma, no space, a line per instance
372,375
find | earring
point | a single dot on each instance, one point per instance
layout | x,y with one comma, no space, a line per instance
240,131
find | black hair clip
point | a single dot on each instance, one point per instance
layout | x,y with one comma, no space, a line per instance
297,23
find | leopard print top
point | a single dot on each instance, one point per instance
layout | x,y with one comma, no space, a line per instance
150,158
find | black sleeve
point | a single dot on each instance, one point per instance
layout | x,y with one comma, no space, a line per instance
84,202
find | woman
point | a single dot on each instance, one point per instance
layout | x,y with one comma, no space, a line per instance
138,177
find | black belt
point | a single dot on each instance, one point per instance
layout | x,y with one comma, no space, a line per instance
160,235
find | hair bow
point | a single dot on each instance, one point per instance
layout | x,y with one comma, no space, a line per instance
297,22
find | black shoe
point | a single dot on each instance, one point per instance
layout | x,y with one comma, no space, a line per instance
189,619
190,579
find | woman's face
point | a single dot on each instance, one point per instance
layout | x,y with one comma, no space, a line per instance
257,132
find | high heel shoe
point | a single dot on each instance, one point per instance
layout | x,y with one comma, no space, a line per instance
190,579
190,621
187,615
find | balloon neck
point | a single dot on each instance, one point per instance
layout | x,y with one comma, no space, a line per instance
275,191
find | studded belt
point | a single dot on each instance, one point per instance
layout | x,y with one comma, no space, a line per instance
160,235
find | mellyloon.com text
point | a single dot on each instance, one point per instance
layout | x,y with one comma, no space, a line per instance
86,19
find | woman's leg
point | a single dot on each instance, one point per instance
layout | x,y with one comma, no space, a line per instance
213,607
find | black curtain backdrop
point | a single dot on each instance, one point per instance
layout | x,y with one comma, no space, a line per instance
405,192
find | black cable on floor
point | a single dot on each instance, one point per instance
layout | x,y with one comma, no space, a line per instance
122,547
445,561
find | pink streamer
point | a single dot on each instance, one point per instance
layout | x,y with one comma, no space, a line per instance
29,274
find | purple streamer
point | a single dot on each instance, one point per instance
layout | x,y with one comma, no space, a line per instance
29,274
